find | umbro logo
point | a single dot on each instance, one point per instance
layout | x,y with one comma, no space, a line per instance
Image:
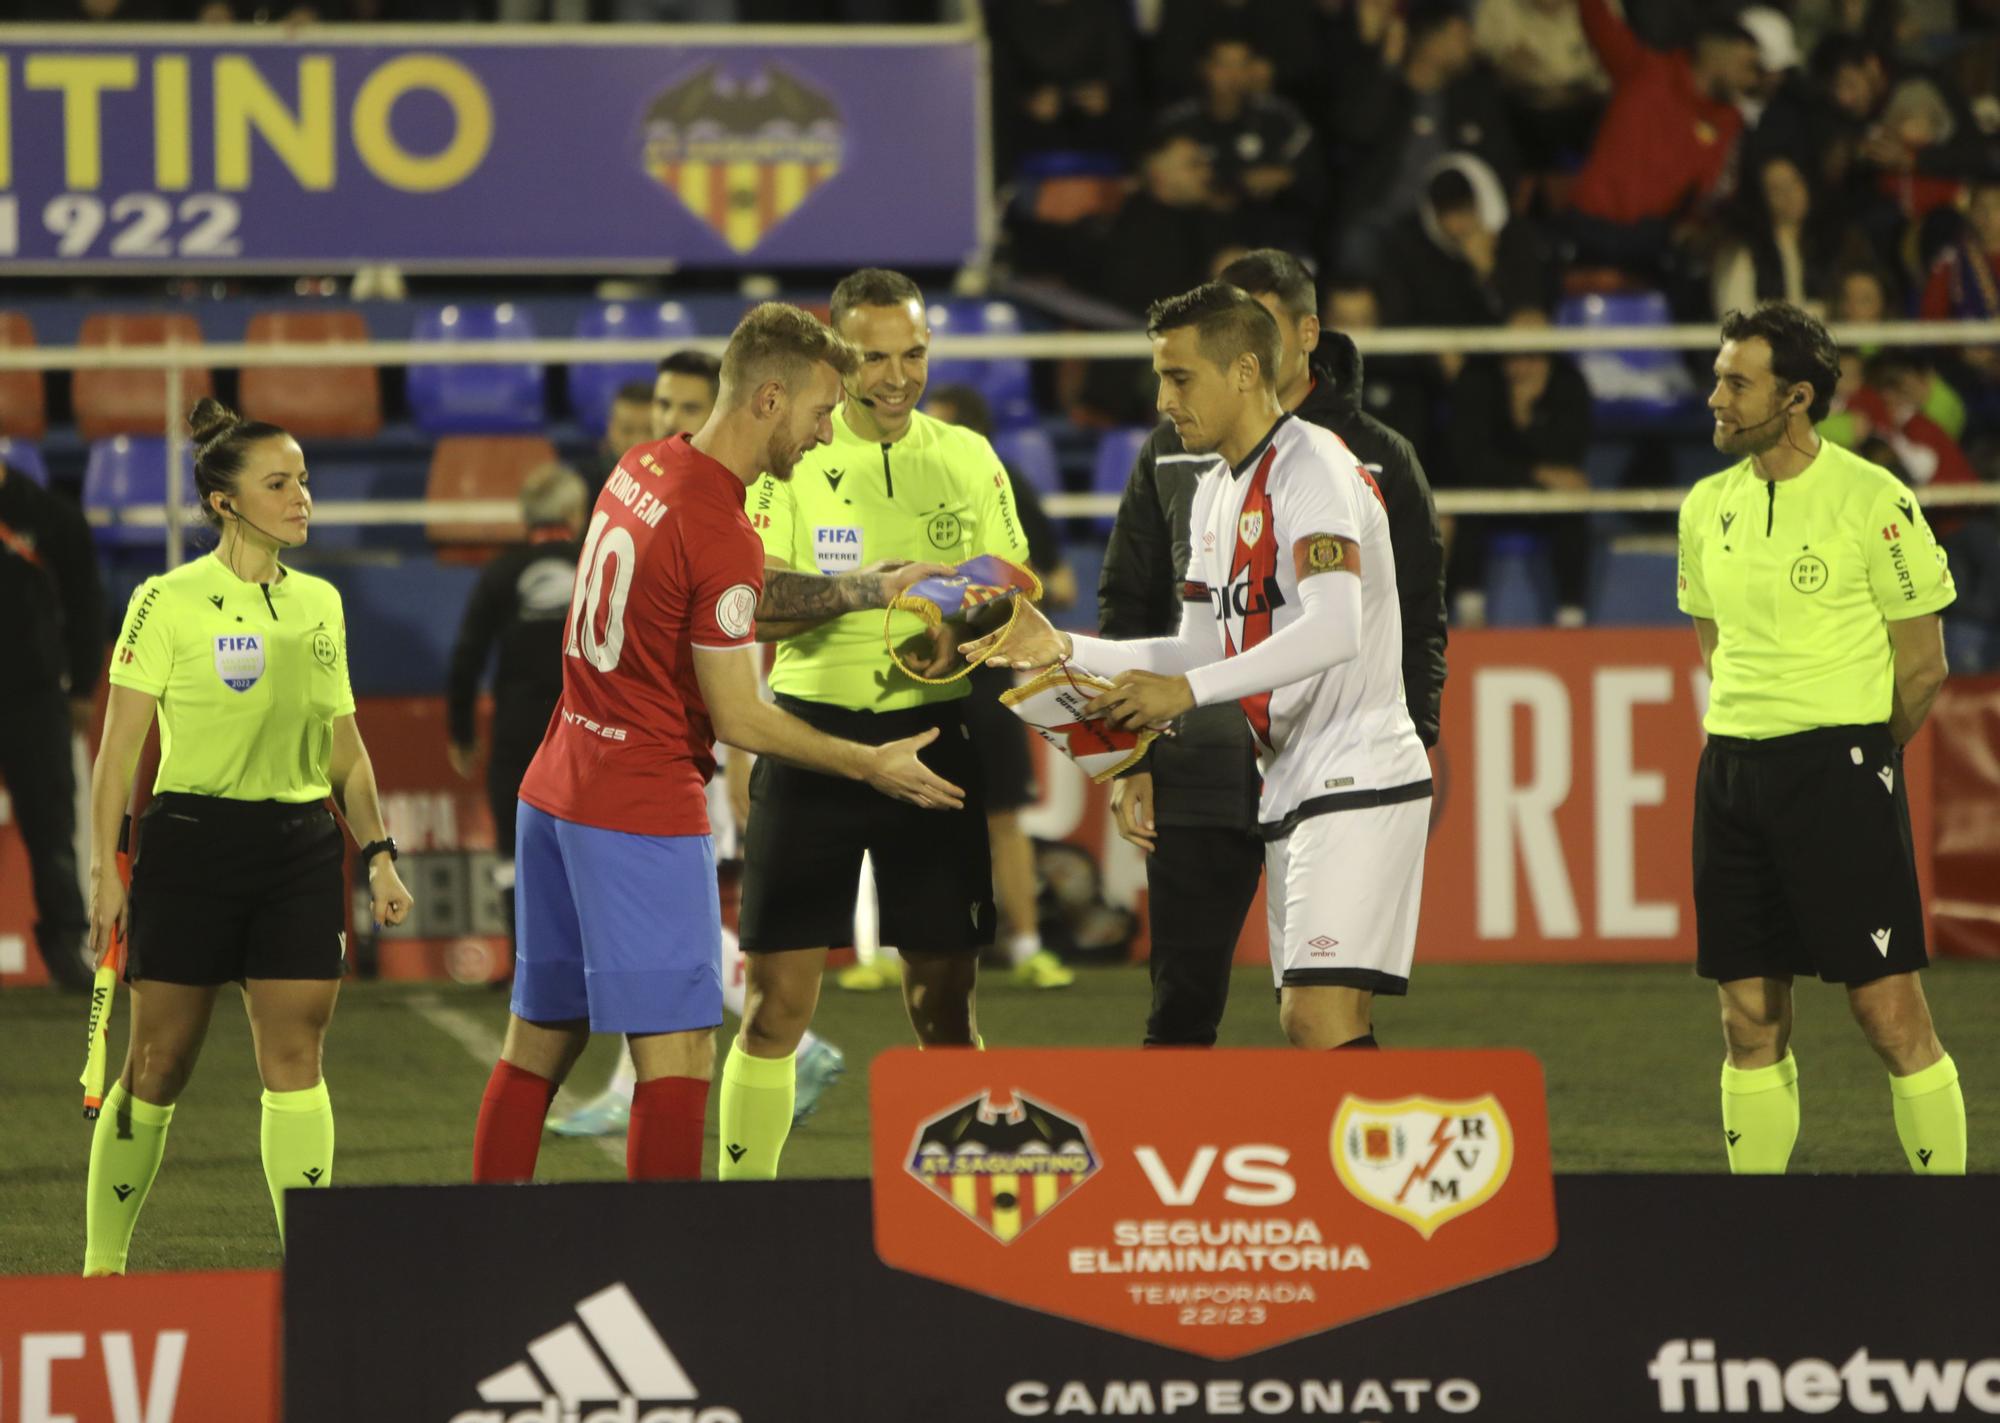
1733,1137
312,1176
121,1192
833,478
611,1354
216,598
737,1153
1727,520
1924,1155
1881,938
1887,776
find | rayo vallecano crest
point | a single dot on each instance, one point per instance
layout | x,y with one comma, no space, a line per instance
1250,527
1004,1163
742,153
1422,1160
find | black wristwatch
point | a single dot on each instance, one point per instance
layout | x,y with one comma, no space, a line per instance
376,847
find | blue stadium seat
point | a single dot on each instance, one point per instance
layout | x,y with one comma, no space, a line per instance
1113,465
489,399
593,387
1635,382
1031,454
1004,382
128,470
1520,590
1634,589
24,457
402,619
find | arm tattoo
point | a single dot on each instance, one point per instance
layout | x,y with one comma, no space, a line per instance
790,596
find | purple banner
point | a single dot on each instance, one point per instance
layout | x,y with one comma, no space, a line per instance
549,150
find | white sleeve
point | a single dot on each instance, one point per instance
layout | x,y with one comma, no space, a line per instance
1317,496
1198,644
1327,633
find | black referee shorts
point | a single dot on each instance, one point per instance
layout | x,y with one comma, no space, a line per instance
1000,740
1803,862
802,854
224,890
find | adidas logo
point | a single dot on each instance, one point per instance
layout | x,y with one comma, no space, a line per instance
1881,938
121,1192
614,1357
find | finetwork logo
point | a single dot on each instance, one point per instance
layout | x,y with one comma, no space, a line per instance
615,1359
1692,1380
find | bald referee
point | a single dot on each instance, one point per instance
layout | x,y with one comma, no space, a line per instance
1815,585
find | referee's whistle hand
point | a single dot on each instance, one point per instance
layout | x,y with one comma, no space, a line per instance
895,770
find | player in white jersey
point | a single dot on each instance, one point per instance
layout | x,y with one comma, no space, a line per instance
1290,610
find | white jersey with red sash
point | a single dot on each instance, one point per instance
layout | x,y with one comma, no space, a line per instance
1346,729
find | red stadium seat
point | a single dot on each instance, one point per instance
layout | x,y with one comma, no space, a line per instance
23,401
313,402
481,467
128,402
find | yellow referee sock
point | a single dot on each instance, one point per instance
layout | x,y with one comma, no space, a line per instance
757,1096
1760,1116
297,1140
125,1151
1930,1119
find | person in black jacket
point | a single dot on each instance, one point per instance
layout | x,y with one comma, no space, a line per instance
1192,806
520,603
52,645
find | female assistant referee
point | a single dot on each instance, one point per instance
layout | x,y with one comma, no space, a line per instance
237,878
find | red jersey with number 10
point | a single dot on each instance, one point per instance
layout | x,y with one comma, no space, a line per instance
670,564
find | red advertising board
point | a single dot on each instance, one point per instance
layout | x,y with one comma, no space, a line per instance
194,1348
1221,1202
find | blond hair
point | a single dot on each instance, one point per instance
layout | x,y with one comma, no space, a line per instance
782,343
552,494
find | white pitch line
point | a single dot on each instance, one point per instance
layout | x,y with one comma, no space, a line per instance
484,1045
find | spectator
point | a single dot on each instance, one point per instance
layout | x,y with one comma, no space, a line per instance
1549,74
1519,422
52,644
1404,104
630,423
1461,260
1665,142
1865,293
1399,391
1266,166
1786,252
1965,283
1284,36
1891,397
684,393
1062,76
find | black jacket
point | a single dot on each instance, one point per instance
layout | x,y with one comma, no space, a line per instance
521,601
1196,780
52,626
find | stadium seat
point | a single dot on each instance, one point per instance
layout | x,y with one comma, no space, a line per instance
128,470
1643,380
1030,453
23,398
477,399
1003,382
1115,454
592,387
134,402
1520,589
1634,588
476,467
23,457
313,402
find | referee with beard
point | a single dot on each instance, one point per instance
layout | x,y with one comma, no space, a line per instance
1192,805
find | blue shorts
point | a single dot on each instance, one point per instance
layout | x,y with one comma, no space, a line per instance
625,930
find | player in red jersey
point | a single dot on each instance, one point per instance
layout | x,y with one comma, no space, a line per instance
619,925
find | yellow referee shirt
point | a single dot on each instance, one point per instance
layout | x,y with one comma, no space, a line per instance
250,678
1802,578
937,495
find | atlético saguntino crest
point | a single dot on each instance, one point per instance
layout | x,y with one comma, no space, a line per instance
742,154
1422,1160
1004,1164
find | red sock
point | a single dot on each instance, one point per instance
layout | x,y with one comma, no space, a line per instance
511,1114
663,1141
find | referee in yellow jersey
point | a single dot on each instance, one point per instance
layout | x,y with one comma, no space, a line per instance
1815,585
237,877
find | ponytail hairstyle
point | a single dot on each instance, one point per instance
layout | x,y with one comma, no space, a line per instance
222,438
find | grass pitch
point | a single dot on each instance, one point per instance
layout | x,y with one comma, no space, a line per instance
1632,1056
